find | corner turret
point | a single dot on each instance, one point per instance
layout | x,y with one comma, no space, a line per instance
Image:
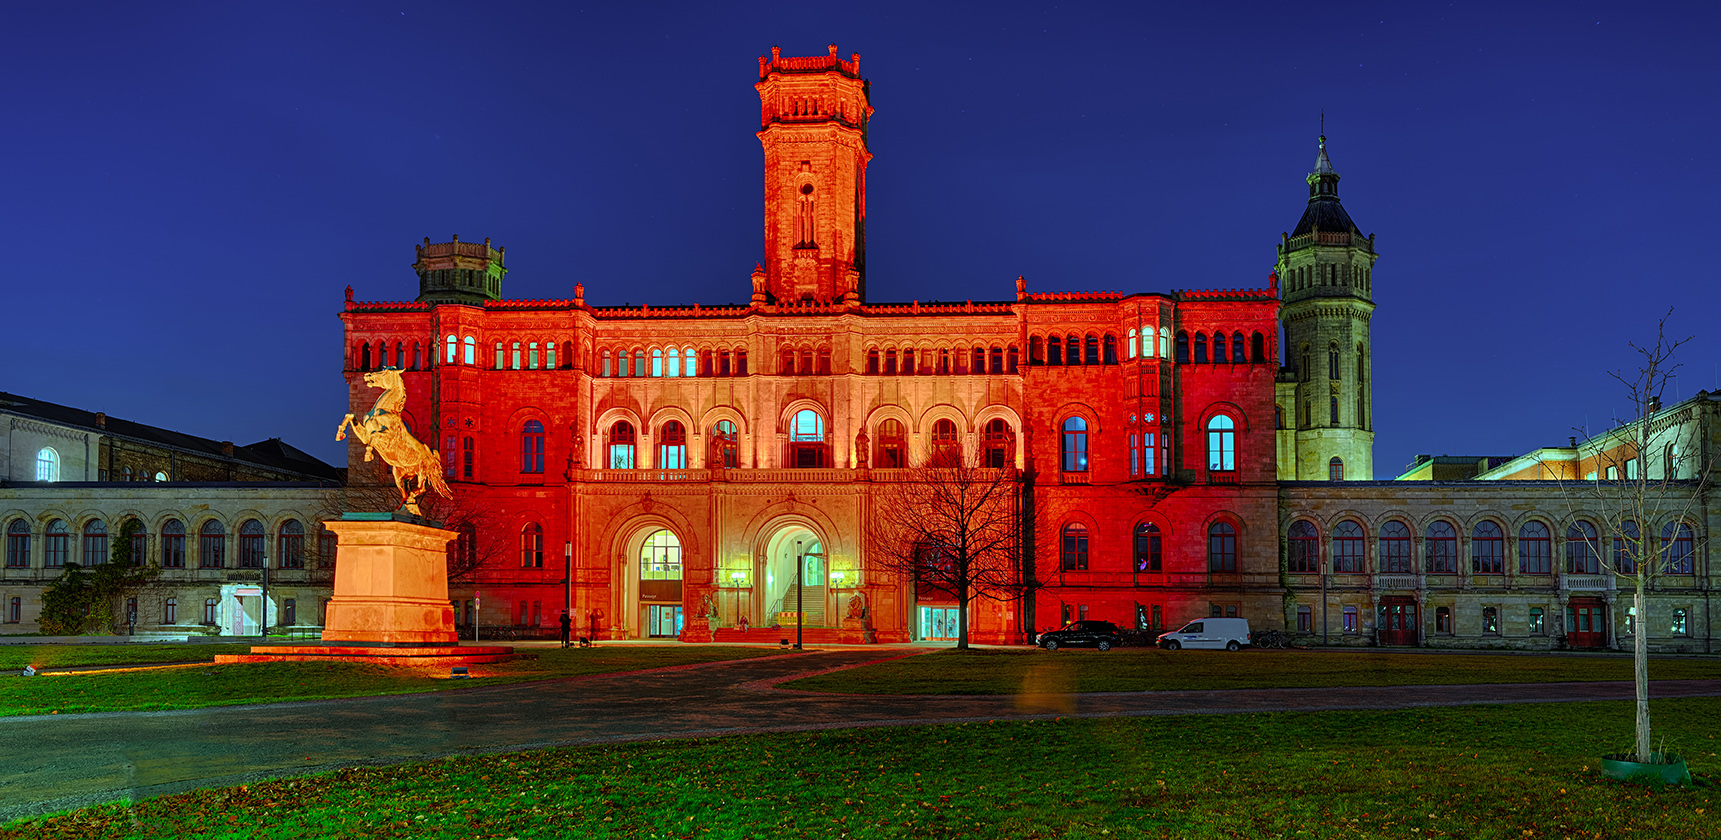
459,272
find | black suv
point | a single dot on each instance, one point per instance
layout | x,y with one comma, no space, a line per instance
1099,634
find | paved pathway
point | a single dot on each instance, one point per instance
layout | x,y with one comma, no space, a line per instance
66,761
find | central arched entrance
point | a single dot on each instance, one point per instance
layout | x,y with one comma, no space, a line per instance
652,562
797,569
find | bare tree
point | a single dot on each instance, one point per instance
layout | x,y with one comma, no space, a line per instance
955,526
1651,473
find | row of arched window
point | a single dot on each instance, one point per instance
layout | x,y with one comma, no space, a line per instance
1585,550
1193,349
1148,548
1221,440
208,544
684,361
1328,274
909,361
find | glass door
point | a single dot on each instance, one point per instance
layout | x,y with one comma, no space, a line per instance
939,624
663,621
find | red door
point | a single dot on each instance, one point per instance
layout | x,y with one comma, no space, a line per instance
1397,621
1586,623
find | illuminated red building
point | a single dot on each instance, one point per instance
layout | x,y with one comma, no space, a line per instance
687,458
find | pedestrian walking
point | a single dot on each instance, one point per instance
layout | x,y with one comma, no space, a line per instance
567,624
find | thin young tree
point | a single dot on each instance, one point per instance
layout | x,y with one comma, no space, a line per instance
954,525
1651,473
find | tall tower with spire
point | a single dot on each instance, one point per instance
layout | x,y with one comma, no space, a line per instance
813,114
1325,271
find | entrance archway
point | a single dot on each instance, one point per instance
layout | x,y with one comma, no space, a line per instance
652,564
797,568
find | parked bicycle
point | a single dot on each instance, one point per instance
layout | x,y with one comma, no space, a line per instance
1270,639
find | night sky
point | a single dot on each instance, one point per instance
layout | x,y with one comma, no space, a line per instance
191,187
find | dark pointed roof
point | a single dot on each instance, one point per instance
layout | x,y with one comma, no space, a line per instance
1324,210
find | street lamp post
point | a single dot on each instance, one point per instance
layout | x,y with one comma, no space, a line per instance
568,580
800,568
836,598
736,578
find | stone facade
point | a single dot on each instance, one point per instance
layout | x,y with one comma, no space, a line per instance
693,462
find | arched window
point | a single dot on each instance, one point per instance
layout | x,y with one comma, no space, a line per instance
1221,547
514,358
1332,361
1092,356
620,446
212,546
891,445
639,361
469,353
251,544
728,443
824,363
1075,445
1072,349
1000,444
18,544
672,446
1304,545
1129,351
1218,348
946,449
1348,545
907,368
890,362
997,360
1221,444
291,554
657,361
1164,342
807,362
532,546
674,361
1395,548
872,361
1149,549
1239,353
1535,552
1075,553
95,543
807,439
1036,351
1258,348
1200,348
47,464
1054,350
364,356
56,544
979,360
660,557
453,350
1487,548
1678,549
1012,360
1110,349
1440,548
1333,410
1627,544
173,544
1583,549
1182,347
1335,469
532,447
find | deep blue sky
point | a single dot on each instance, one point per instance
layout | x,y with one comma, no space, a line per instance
190,186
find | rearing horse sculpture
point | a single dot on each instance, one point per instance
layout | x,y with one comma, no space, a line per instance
383,432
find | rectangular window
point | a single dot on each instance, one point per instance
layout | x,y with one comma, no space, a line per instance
1630,469
289,612
1679,624
170,611
1538,622
1443,620
1134,455
1158,617
532,355
500,359
1630,627
1305,619
1491,621
209,611
1148,467
15,611
550,355
1350,619
740,363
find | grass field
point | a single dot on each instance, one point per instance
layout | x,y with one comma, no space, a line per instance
1477,772
196,686
1005,671
15,657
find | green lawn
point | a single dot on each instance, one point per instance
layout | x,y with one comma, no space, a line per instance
1477,772
196,686
15,657
994,671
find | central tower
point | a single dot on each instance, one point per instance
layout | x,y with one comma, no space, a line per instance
813,114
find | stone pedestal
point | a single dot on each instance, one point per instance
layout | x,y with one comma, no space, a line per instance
391,582
696,629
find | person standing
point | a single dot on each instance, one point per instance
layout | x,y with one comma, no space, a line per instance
567,624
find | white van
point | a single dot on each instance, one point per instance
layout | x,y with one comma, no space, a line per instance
1227,633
